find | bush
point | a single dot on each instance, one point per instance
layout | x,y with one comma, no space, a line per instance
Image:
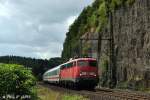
16,82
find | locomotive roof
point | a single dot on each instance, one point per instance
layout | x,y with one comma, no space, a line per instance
78,60
82,59
58,67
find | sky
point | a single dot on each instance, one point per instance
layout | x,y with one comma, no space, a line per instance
36,28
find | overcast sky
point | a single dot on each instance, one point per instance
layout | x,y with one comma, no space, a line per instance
36,28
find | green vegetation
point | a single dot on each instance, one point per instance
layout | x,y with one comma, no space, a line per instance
93,17
138,85
104,66
47,94
130,2
73,97
38,66
122,85
16,82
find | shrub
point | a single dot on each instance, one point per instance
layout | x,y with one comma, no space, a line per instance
16,82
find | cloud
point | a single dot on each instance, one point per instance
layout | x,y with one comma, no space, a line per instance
36,28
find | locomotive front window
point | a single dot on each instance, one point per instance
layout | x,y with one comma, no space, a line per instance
93,63
87,63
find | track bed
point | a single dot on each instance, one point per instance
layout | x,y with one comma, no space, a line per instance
102,94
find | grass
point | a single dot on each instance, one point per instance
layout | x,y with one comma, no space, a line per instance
47,94
73,97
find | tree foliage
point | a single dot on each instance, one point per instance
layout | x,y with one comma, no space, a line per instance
16,81
38,66
92,17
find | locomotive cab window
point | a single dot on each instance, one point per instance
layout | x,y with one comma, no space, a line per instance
84,63
69,65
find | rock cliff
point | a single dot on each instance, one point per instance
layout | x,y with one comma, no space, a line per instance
131,35
131,26
131,29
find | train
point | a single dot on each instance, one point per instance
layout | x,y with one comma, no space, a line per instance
76,73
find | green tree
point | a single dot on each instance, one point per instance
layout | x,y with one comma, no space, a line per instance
16,81
38,66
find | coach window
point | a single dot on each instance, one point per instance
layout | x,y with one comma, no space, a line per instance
55,72
61,67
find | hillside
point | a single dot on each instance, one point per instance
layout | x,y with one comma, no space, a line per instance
38,66
122,30
93,19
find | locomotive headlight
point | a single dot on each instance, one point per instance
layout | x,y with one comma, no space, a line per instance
83,73
92,73
87,73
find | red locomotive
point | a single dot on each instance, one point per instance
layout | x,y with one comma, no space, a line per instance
81,72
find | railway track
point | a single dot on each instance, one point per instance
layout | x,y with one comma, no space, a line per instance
117,95
103,94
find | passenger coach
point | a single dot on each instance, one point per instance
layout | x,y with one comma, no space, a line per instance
52,75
